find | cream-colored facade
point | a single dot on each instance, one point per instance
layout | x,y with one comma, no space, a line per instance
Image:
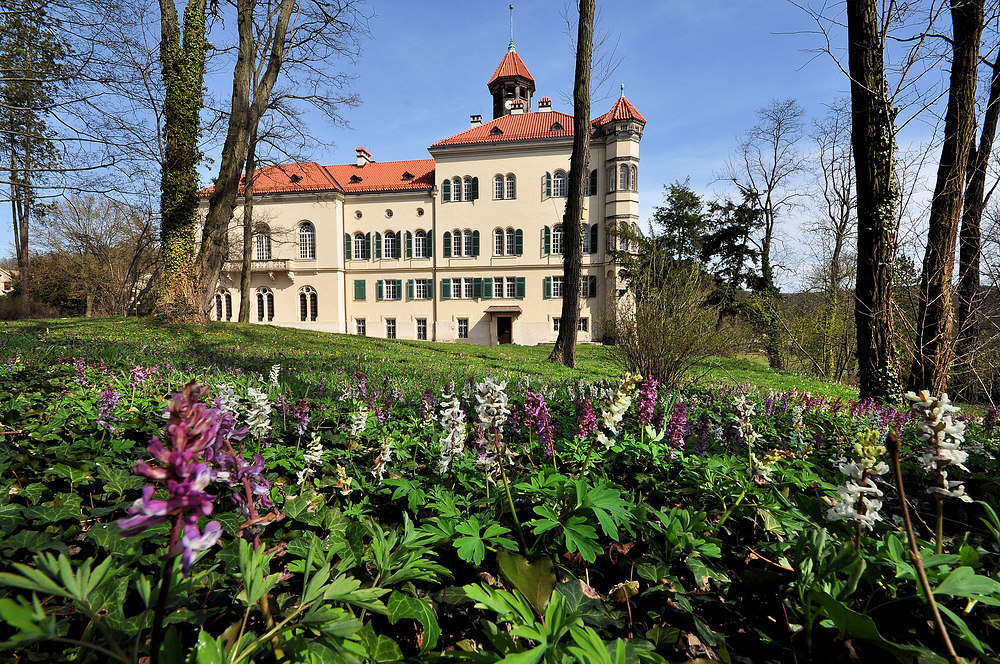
465,246
7,281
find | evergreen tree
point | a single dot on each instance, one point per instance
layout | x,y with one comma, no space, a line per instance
681,221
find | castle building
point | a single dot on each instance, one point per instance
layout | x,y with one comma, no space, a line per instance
464,246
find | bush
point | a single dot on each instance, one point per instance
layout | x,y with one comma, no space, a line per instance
664,326
15,307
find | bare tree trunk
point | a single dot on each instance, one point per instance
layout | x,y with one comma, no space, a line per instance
933,353
564,351
247,228
248,105
970,238
874,144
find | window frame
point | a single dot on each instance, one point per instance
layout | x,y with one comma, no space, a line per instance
511,236
498,188
389,245
558,240
421,329
360,327
307,241
420,244
456,189
510,191
262,244
559,184
557,286
390,328
462,328
359,247
467,243
467,189
498,241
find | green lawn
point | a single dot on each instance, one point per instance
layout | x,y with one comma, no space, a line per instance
333,357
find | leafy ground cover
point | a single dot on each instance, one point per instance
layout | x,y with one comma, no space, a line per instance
236,494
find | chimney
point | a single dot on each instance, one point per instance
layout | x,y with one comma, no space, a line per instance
517,107
476,121
364,156
544,105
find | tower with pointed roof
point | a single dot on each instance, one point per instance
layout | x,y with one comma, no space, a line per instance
511,82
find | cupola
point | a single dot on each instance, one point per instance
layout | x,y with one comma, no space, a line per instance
511,81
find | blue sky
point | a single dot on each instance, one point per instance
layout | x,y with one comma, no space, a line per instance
696,70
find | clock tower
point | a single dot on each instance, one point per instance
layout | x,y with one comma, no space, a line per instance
511,81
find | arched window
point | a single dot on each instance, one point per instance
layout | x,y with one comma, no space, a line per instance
559,184
557,239
218,306
511,242
359,246
498,237
456,243
265,305
223,305
420,244
623,178
456,189
497,187
511,187
467,193
623,238
611,179
468,243
262,244
633,181
307,241
389,245
308,302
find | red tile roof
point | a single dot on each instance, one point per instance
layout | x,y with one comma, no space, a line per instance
522,127
622,110
307,176
511,65
384,176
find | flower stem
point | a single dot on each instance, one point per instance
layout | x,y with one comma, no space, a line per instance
939,530
892,442
156,636
506,486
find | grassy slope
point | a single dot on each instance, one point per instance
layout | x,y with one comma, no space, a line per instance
334,356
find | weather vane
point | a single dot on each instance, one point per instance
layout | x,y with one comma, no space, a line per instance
511,46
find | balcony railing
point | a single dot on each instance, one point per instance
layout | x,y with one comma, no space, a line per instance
273,265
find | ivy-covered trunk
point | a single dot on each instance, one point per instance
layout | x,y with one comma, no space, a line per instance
183,66
933,352
564,351
874,143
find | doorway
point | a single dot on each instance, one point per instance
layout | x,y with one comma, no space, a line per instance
505,327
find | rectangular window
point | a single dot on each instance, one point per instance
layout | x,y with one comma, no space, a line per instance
557,289
463,328
582,324
420,245
468,288
422,289
359,327
511,287
391,292
390,328
456,289
498,287
359,247
422,329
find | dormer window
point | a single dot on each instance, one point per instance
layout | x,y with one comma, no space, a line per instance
496,131
556,127
295,178
355,179
408,175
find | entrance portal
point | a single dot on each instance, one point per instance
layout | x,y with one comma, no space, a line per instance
505,327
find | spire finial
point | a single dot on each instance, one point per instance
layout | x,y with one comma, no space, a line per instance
623,89
510,47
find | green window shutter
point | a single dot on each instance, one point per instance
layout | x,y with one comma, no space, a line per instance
368,246
409,289
409,244
477,287
593,239
547,289
446,289
548,186
378,289
593,182
447,244
518,242
378,245
430,244
430,288
359,289
475,189
347,246
519,287
475,243
446,191
592,286
399,244
547,240
488,288
399,289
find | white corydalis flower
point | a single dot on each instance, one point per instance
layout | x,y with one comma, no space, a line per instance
859,500
383,458
312,456
491,404
614,408
258,416
275,371
453,422
227,398
944,438
358,420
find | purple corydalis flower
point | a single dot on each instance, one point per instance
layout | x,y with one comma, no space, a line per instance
537,413
677,426
141,374
300,413
990,421
106,404
81,372
586,419
646,402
